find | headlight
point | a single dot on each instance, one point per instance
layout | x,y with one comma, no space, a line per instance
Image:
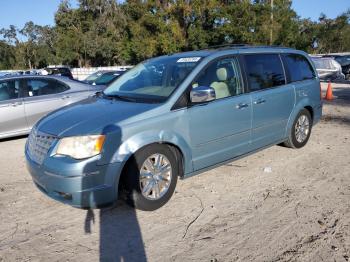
80,147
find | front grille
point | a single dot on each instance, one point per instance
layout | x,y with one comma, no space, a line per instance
39,144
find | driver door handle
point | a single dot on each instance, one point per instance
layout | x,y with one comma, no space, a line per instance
65,97
16,104
241,105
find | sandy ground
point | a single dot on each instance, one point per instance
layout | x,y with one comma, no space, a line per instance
300,211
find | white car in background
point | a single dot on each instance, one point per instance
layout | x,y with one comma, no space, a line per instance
327,68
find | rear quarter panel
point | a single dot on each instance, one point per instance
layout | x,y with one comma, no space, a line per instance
307,94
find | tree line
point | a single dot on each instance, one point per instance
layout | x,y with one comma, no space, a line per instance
106,32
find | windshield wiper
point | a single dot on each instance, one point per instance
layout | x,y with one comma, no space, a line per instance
119,97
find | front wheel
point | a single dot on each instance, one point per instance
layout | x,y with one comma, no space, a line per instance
151,176
300,131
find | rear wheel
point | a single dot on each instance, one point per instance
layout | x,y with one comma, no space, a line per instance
300,131
151,177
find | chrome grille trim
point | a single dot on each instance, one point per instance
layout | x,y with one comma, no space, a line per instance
39,144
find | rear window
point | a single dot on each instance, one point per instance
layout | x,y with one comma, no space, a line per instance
264,71
343,60
106,78
298,67
324,63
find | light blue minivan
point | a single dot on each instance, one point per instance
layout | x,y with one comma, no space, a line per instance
173,116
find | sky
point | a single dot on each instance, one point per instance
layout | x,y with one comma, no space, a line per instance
18,12
313,8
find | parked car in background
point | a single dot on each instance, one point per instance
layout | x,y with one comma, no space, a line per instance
173,116
344,61
31,72
3,74
103,77
328,69
25,99
59,71
11,73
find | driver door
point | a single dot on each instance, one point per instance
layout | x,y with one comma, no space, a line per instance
12,115
221,129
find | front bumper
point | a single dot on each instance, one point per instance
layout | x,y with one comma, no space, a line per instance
82,184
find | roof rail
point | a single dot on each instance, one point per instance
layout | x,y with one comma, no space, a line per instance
235,46
226,45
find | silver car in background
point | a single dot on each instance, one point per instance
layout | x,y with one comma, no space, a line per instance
26,99
328,68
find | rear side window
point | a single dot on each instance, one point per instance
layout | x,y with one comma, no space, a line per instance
264,71
39,87
298,67
9,90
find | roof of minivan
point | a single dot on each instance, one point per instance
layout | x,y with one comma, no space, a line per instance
237,48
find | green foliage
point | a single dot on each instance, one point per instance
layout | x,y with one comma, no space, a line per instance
7,55
105,32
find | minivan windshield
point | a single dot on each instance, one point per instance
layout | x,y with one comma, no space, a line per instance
153,80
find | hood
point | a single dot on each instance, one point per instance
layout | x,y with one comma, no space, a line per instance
90,116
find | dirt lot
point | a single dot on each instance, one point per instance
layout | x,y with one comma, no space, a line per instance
300,211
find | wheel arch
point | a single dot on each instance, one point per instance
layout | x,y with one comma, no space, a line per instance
303,104
175,142
311,111
174,148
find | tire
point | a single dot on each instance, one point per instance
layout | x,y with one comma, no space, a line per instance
146,188
298,140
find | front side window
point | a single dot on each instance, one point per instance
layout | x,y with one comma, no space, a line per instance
153,80
223,76
39,87
299,67
9,90
264,71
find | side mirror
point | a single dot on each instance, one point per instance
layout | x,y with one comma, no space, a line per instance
202,94
96,94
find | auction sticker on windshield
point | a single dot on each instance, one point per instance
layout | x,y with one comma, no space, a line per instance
188,59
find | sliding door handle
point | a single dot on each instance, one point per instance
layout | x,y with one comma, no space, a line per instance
259,101
241,105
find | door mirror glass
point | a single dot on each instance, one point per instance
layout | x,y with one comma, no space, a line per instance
202,94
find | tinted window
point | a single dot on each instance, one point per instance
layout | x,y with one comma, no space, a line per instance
9,90
107,78
298,67
39,87
223,76
264,71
